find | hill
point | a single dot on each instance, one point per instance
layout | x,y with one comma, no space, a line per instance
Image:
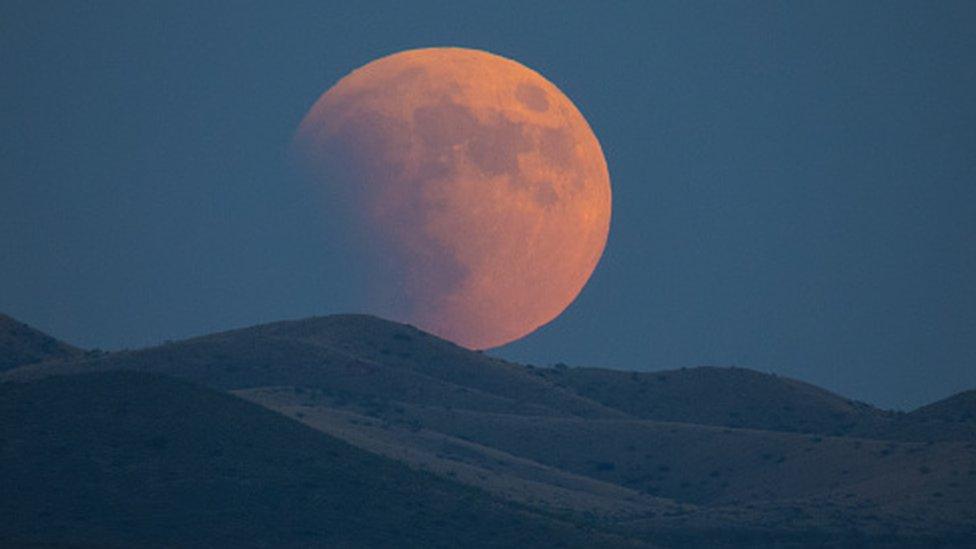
736,397
716,456
960,408
363,357
353,355
832,486
20,345
125,458
953,418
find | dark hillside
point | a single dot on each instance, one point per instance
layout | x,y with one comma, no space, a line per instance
726,397
130,459
764,485
355,356
697,456
953,418
959,408
20,344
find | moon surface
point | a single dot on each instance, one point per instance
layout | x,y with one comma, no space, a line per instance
474,189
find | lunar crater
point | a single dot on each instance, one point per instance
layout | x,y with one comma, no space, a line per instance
532,97
452,130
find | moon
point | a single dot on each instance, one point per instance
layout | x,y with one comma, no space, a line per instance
476,191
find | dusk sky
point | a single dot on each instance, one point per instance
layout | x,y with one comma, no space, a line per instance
793,184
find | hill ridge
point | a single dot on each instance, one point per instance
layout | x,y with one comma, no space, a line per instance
21,344
699,456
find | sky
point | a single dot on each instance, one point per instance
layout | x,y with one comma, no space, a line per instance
793,182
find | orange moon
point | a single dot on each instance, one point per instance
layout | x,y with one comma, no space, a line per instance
474,184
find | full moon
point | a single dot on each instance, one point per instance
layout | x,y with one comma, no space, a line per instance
473,188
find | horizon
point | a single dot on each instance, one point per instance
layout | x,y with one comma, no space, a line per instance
488,352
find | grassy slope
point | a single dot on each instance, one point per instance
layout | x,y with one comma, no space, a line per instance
702,466
396,432
721,446
125,458
736,397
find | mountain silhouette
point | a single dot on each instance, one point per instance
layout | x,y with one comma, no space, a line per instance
20,344
953,418
689,457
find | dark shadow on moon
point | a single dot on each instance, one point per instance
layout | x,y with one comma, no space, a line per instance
371,181
360,171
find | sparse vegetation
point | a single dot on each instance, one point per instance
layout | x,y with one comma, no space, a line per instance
244,477
630,451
